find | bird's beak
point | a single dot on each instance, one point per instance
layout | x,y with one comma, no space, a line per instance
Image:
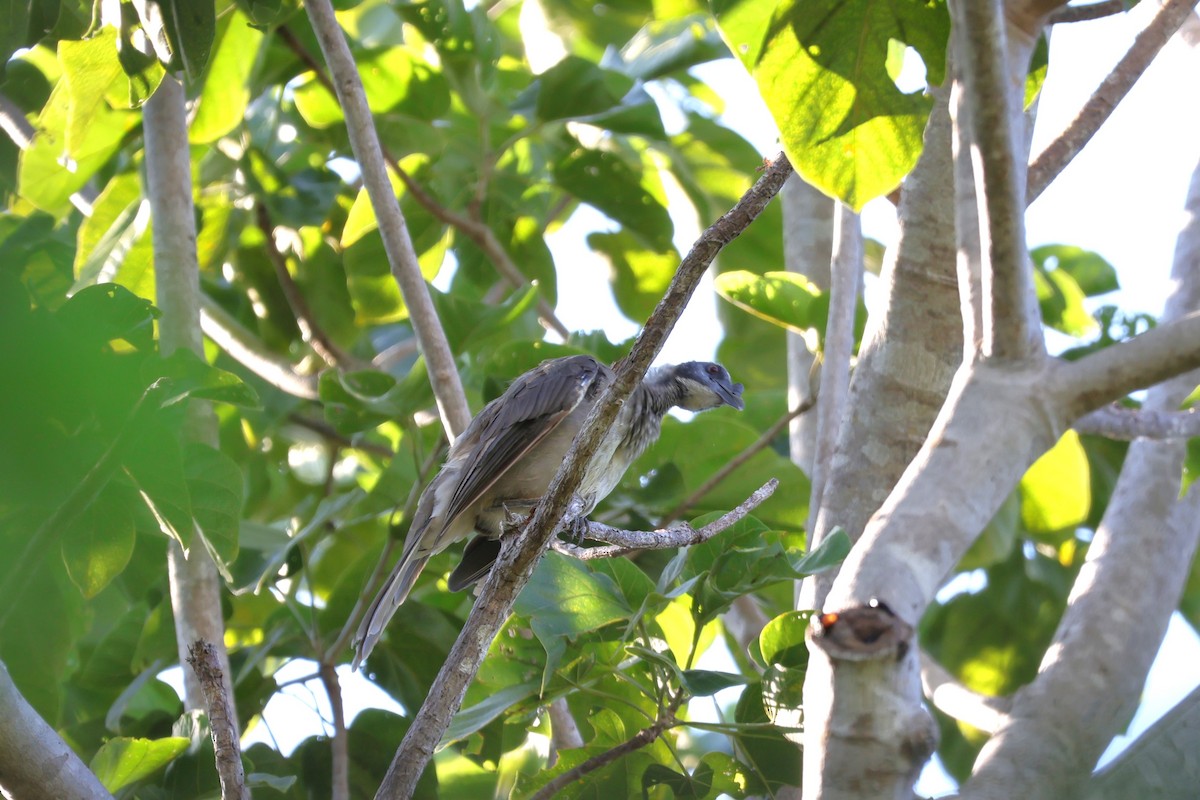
731,395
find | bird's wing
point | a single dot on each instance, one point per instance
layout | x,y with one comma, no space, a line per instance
512,424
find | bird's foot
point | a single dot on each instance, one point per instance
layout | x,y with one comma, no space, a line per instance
575,522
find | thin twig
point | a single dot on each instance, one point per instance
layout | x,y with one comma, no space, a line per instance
681,534
204,661
519,555
1087,13
312,333
1099,107
645,736
473,228
737,461
340,748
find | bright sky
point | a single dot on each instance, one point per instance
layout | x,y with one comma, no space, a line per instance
1122,197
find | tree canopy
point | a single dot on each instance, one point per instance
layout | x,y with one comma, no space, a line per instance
286,447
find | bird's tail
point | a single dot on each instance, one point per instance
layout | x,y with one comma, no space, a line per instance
393,593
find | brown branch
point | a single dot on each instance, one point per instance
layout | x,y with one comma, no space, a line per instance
312,333
327,432
645,736
1087,13
204,661
339,747
681,534
1099,107
473,228
519,555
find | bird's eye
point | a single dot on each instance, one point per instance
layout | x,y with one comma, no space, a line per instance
714,370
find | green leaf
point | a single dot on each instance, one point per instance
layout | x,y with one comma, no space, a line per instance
642,275
41,178
1056,490
573,88
623,188
215,486
1091,271
829,553
564,598
666,46
681,784
1061,302
471,719
114,243
222,103
782,639
783,697
181,32
122,761
394,80
786,299
705,682
91,71
99,543
821,66
192,377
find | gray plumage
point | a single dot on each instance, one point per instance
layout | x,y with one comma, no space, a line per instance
511,451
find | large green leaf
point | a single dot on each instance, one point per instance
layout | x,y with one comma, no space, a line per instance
215,487
1056,490
222,103
98,545
822,67
122,760
623,187
41,178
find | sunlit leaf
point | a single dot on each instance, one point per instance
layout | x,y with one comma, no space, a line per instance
821,66
1056,490
123,760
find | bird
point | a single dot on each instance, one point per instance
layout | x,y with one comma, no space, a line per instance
510,452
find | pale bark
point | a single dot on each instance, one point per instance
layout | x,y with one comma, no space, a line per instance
845,274
807,249
964,470
1090,680
35,763
195,585
1161,764
909,352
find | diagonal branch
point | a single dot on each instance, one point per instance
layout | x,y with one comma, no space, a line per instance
1099,107
364,141
34,760
312,333
519,555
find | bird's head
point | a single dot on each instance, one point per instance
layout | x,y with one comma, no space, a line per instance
707,385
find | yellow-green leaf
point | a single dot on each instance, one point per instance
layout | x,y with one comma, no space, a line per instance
1056,491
